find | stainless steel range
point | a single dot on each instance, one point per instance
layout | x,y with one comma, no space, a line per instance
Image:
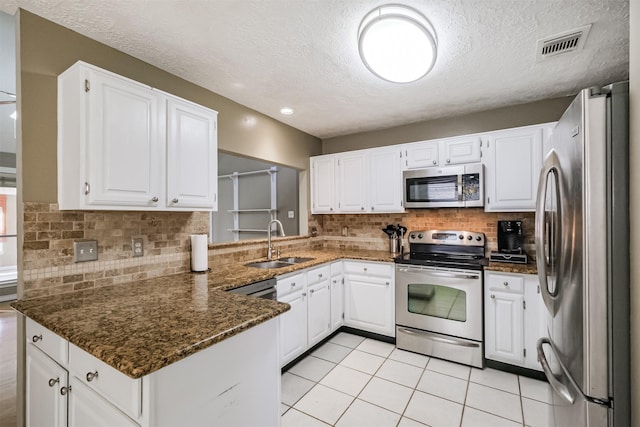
439,295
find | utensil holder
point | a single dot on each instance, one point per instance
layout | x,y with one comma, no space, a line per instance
394,244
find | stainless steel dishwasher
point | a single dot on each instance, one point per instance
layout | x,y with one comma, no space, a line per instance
263,289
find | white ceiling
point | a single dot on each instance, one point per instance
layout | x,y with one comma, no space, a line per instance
266,54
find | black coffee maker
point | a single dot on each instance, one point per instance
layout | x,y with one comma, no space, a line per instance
510,237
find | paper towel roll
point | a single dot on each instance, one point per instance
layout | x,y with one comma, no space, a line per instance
199,252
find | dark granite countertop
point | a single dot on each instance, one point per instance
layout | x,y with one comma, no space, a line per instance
509,267
140,327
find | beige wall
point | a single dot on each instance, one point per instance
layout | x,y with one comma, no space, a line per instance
519,115
47,49
634,159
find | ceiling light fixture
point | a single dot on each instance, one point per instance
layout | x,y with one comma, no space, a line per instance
287,111
397,43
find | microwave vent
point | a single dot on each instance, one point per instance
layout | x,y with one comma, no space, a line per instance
568,41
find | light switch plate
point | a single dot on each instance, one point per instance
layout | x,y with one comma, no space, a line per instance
85,250
137,245
291,214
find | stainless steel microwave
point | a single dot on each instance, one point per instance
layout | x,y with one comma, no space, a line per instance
447,187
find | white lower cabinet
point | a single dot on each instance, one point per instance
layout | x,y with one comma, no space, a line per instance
337,296
319,312
369,297
512,301
293,324
201,389
45,404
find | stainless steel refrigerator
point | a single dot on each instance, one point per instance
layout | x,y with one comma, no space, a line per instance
582,248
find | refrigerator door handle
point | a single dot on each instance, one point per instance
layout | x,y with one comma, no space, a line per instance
568,392
548,256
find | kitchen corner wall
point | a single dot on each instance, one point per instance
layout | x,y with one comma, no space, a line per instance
365,231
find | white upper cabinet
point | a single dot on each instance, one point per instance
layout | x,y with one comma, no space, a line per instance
422,154
443,152
385,179
362,181
192,141
460,150
323,198
512,160
352,182
125,146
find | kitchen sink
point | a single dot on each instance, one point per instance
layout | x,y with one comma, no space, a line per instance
269,264
295,259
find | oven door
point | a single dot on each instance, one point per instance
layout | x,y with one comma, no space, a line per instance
445,301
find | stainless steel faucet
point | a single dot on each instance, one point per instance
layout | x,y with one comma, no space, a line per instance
269,247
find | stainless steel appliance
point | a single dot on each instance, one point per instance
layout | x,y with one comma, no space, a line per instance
582,246
451,186
264,289
439,295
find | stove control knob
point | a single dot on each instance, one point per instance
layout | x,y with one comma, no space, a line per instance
469,237
478,238
460,237
413,236
420,236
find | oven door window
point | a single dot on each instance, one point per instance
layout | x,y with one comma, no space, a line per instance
437,301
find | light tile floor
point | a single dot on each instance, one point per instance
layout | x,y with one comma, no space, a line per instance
351,382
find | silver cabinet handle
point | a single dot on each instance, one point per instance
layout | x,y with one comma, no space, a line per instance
53,381
365,268
92,375
386,283
435,163
36,338
506,283
65,390
362,208
293,284
87,188
493,296
319,276
311,291
155,199
175,200
373,208
304,294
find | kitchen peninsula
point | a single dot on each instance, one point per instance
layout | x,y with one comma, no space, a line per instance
178,339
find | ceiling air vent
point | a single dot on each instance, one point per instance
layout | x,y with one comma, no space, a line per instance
568,41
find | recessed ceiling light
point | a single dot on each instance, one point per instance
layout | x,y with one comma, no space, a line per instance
397,43
287,111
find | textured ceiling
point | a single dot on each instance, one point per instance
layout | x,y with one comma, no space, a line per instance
266,54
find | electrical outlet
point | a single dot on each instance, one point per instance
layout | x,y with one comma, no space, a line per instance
85,250
137,244
291,214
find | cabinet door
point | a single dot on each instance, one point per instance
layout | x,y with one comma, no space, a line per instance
192,153
45,405
461,150
512,164
385,180
422,154
504,334
125,148
352,182
319,312
337,301
88,408
369,304
322,184
293,327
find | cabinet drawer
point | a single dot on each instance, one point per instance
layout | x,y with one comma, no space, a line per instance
290,284
505,282
336,268
124,392
318,274
369,268
52,344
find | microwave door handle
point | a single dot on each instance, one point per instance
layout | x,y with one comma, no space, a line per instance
459,187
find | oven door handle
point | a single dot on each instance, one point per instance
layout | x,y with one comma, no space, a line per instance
439,273
439,339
